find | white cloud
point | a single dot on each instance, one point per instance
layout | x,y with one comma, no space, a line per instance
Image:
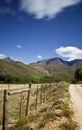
19,46
69,52
2,56
45,8
39,57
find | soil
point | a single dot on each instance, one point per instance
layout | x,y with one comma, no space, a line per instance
76,98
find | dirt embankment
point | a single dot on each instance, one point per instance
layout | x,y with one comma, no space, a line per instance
76,97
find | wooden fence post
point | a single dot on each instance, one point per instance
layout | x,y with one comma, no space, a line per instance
20,112
44,93
36,98
5,110
27,103
41,89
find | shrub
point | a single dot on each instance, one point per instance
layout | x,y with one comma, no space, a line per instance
67,112
33,117
21,122
68,125
42,123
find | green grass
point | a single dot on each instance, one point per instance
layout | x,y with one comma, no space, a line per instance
67,112
13,72
21,122
69,125
42,124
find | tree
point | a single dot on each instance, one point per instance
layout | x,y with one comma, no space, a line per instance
78,74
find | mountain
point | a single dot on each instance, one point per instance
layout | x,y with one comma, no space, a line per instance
54,61
8,59
54,69
75,63
58,68
19,72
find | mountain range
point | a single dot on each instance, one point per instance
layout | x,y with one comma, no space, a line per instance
54,68
58,68
53,61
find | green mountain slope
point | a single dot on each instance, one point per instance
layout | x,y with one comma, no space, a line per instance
20,71
59,69
50,70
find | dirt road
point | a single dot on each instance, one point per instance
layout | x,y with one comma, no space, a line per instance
76,97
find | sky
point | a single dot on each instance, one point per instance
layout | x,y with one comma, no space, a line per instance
34,30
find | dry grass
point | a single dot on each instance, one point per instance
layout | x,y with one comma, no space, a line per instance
49,114
1,106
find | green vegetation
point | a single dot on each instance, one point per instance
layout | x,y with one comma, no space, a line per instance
21,122
68,125
67,112
78,74
17,72
56,106
42,124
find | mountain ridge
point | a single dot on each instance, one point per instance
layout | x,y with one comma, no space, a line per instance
53,60
58,68
54,69
48,61
7,59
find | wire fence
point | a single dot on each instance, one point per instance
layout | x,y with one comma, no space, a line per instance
20,101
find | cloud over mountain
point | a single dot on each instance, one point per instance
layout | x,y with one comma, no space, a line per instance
69,52
46,8
2,56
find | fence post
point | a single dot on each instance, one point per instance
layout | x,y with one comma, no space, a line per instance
41,89
5,110
36,98
27,103
20,112
44,93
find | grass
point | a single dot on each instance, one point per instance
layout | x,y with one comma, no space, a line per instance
42,124
68,125
33,117
1,106
67,112
53,110
21,122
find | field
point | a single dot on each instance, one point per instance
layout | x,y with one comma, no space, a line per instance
48,107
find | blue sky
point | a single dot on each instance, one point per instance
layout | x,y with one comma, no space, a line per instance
41,29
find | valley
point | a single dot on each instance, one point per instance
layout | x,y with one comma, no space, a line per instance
50,70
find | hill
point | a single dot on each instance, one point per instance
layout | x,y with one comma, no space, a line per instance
19,72
54,61
54,69
58,68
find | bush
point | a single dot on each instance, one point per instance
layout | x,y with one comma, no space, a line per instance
68,125
42,123
67,112
21,122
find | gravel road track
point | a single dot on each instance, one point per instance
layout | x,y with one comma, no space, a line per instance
76,97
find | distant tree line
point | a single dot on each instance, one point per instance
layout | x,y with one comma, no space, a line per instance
13,80
19,80
9,79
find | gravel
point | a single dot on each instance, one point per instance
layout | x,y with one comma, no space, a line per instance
76,97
